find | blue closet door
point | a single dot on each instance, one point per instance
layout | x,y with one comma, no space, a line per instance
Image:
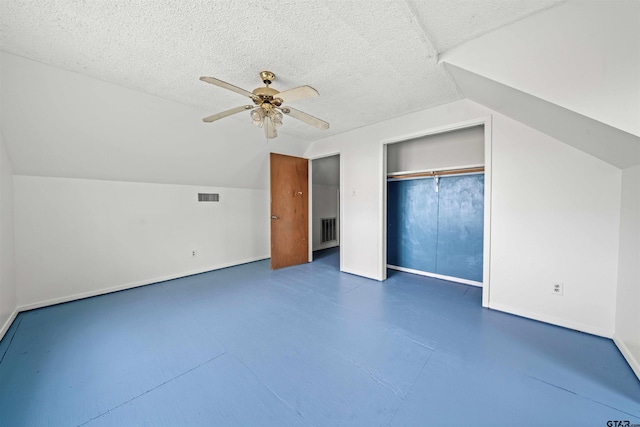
439,232
460,226
412,224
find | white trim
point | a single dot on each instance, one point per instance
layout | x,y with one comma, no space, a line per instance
310,209
436,276
581,327
382,213
104,291
488,174
366,275
339,231
341,209
485,121
412,178
436,130
477,165
322,156
628,355
7,324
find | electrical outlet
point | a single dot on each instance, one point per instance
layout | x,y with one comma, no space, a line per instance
557,288
193,254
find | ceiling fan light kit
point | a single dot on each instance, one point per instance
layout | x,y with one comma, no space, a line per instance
267,111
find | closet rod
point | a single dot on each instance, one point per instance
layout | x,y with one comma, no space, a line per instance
435,173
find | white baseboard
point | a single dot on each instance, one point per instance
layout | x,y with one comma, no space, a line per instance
631,359
94,293
361,274
436,276
7,324
589,329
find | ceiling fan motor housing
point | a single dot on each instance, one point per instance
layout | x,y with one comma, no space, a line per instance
267,95
267,77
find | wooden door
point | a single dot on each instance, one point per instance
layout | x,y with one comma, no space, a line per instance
289,211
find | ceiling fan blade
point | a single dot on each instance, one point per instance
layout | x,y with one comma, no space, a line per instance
307,118
218,116
301,92
228,86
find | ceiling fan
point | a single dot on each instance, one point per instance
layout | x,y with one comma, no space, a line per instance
267,109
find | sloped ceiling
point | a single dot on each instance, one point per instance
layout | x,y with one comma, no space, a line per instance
370,61
605,142
578,80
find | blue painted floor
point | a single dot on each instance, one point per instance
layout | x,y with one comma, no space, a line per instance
304,346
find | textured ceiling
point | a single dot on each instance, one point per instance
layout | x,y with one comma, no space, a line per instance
370,60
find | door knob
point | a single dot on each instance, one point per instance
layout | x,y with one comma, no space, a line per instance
274,217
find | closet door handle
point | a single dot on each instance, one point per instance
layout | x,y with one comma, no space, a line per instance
274,217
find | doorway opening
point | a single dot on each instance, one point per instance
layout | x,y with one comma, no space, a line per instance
324,221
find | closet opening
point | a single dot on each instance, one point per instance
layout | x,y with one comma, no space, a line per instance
436,193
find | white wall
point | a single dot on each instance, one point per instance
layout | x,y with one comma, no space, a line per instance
462,147
78,237
8,301
555,218
627,333
363,179
325,205
572,199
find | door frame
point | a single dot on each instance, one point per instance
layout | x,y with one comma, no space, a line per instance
340,201
485,121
